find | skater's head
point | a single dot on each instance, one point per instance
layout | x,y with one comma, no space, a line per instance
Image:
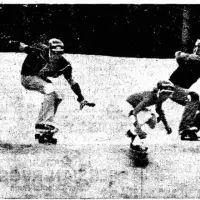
164,90
56,47
193,96
196,49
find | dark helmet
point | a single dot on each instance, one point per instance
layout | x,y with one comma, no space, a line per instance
56,45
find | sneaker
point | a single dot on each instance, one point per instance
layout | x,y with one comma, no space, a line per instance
46,127
189,134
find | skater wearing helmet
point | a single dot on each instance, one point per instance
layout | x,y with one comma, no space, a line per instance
44,61
140,102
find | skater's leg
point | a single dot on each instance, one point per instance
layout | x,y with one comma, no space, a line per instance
52,98
137,143
190,118
180,96
49,108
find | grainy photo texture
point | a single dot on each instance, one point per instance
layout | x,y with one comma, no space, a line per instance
99,101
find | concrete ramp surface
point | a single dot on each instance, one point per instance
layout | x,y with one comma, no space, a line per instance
92,158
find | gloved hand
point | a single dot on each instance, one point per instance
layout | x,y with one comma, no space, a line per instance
86,103
168,129
177,53
22,46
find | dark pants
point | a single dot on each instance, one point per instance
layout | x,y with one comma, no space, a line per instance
52,98
189,117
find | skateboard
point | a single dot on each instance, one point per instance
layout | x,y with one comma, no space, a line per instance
45,137
140,158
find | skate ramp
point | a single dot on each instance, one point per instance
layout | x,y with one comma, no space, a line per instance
98,171
92,158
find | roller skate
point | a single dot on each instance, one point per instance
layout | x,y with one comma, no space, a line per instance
45,134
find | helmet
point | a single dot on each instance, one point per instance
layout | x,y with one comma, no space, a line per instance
165,86
56,45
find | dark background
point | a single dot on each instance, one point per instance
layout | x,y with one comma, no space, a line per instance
111,29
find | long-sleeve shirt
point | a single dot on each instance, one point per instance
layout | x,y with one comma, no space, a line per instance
140,101
187,72
38,63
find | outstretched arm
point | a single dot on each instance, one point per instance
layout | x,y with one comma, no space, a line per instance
182,56
28,49
140,107
76,88
162,118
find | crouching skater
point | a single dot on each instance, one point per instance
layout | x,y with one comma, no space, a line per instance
140,103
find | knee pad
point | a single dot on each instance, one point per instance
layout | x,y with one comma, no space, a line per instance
49,88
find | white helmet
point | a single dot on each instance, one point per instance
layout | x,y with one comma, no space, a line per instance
56,45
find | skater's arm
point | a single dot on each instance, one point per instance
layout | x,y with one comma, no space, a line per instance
162,117
146,102
138,128
179,55
76,88
182,56
74,85
28,49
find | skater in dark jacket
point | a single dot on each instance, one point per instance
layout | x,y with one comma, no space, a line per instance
41,63
186,74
